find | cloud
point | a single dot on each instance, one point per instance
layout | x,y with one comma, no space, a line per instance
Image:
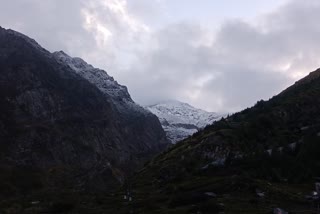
56,24
218,75
220,70
232,68
103,32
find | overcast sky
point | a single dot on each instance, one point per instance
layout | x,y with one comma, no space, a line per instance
216,55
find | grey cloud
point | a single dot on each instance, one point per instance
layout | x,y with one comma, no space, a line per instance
226,70
218,76
245,62
56,24
79,27
241,88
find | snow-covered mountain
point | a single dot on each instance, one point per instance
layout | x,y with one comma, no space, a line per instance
98,77
180,120
106,83
60,112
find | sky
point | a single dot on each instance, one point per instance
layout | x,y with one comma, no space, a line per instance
220,56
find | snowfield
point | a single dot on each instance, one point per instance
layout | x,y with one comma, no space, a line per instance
180,120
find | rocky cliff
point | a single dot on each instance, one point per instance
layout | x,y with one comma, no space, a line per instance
62,118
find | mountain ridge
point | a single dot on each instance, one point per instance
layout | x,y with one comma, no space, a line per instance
59,124
66,145
180,120
260,158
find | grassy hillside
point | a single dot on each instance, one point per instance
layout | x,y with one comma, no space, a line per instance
272,147
261,158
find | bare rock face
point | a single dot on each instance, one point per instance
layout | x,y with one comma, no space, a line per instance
56,119
133,116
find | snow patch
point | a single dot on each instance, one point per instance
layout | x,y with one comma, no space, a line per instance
180,120
104,82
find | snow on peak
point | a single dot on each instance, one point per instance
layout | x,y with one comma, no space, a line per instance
75,63
96,76
105,83
181,120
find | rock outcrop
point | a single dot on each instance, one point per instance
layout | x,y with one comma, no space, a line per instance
60,115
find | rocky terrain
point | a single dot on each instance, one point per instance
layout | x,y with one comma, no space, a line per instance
180,120
70,135
134,118
66,125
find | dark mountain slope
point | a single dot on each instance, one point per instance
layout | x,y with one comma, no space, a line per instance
272,147
57,128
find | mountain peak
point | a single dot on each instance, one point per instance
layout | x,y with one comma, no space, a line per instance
98,77
174,103
59,111
15,34
180,119
76,63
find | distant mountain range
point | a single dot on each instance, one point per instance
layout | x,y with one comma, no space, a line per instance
180,120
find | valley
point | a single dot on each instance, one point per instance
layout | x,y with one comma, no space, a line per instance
74,141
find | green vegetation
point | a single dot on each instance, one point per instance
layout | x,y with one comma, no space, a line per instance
273,146
253,161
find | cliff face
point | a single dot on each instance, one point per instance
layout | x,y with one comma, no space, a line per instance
54,117
136,121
